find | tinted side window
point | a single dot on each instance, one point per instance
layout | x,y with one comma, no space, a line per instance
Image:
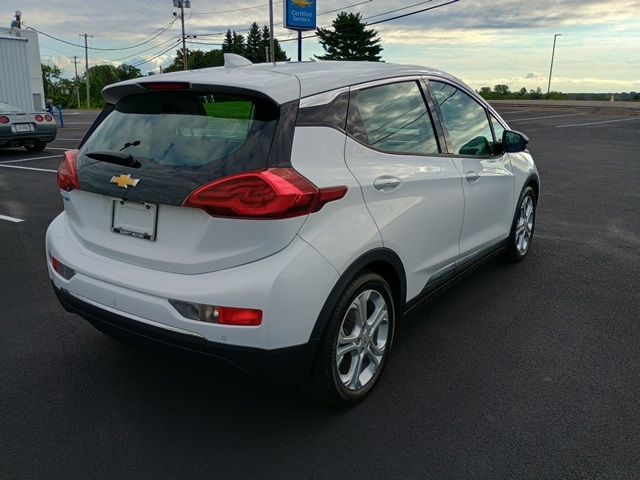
393,118
465,120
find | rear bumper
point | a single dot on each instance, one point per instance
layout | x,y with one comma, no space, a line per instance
284,366
23,139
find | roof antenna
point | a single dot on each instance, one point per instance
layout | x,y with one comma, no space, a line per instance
232,60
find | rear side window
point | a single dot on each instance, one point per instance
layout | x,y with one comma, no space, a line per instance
393,118
465,120
188,129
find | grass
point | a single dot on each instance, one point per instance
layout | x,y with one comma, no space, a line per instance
238,110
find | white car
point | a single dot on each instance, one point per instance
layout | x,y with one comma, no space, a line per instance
282,217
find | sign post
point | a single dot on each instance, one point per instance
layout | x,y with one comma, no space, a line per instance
300,15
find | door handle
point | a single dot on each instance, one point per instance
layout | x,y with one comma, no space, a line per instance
386,183
472,177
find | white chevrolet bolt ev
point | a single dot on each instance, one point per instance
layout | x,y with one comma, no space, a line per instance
282,217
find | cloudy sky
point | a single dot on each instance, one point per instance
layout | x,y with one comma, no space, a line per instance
485,43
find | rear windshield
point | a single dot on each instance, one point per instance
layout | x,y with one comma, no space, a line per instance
188,129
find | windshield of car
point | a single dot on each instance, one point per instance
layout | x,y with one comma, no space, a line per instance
187,129
7,108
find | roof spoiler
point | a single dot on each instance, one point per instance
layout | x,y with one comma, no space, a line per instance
232,60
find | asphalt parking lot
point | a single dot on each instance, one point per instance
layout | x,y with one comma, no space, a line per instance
518,371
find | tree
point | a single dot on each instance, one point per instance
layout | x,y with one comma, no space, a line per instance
227,43
486,92
127,72
522,92
50,76
99,77
280,55
349,40
254,50
501,90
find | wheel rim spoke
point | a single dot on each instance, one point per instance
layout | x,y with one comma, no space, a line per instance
524,224
362,340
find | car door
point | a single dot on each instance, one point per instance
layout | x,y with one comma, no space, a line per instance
413,192
487,177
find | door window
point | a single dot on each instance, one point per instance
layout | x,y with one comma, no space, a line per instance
498,129
465,120
393,118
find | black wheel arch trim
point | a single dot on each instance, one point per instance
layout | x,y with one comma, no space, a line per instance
376,257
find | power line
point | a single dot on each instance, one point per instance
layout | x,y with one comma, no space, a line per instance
280,23
158,55
235,9
174,37
164,29
385,19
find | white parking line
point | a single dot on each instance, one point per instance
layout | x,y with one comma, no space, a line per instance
11,219
78,123
598,123
58,148
70,139
28,159
29,168
548,116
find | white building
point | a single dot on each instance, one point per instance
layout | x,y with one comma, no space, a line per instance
20,69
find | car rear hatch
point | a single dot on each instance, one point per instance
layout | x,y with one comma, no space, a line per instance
148,156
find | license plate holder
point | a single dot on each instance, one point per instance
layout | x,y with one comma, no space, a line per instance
22,127
134,219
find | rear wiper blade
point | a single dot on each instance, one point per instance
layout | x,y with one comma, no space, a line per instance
119,158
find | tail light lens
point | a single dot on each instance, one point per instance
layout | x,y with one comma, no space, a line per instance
68,171
242,317
166,85
39,118
4,120
48,118
266,194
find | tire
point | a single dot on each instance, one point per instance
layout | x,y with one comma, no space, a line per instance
522,228
344,378
35,146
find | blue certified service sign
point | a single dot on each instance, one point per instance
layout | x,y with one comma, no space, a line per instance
300,14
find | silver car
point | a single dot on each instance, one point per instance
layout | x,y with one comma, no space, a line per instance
31,130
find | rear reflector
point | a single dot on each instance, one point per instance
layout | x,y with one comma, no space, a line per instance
243,317
61,269
68,171
165,85
267,194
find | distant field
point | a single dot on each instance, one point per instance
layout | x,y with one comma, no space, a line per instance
238,110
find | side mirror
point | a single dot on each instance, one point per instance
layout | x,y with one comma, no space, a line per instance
514,142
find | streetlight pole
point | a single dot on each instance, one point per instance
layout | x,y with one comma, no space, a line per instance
553,53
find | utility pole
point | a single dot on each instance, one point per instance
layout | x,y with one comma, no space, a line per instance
272,50
75,80
182,4
553,53
86,66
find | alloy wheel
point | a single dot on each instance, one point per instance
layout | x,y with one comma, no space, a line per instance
524,225
362,340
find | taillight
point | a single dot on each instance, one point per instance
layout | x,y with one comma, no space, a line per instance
39,118
48,118
68,171
4,120
265,194
244,317
166,85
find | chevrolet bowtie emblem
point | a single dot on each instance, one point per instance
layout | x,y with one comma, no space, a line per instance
125,181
